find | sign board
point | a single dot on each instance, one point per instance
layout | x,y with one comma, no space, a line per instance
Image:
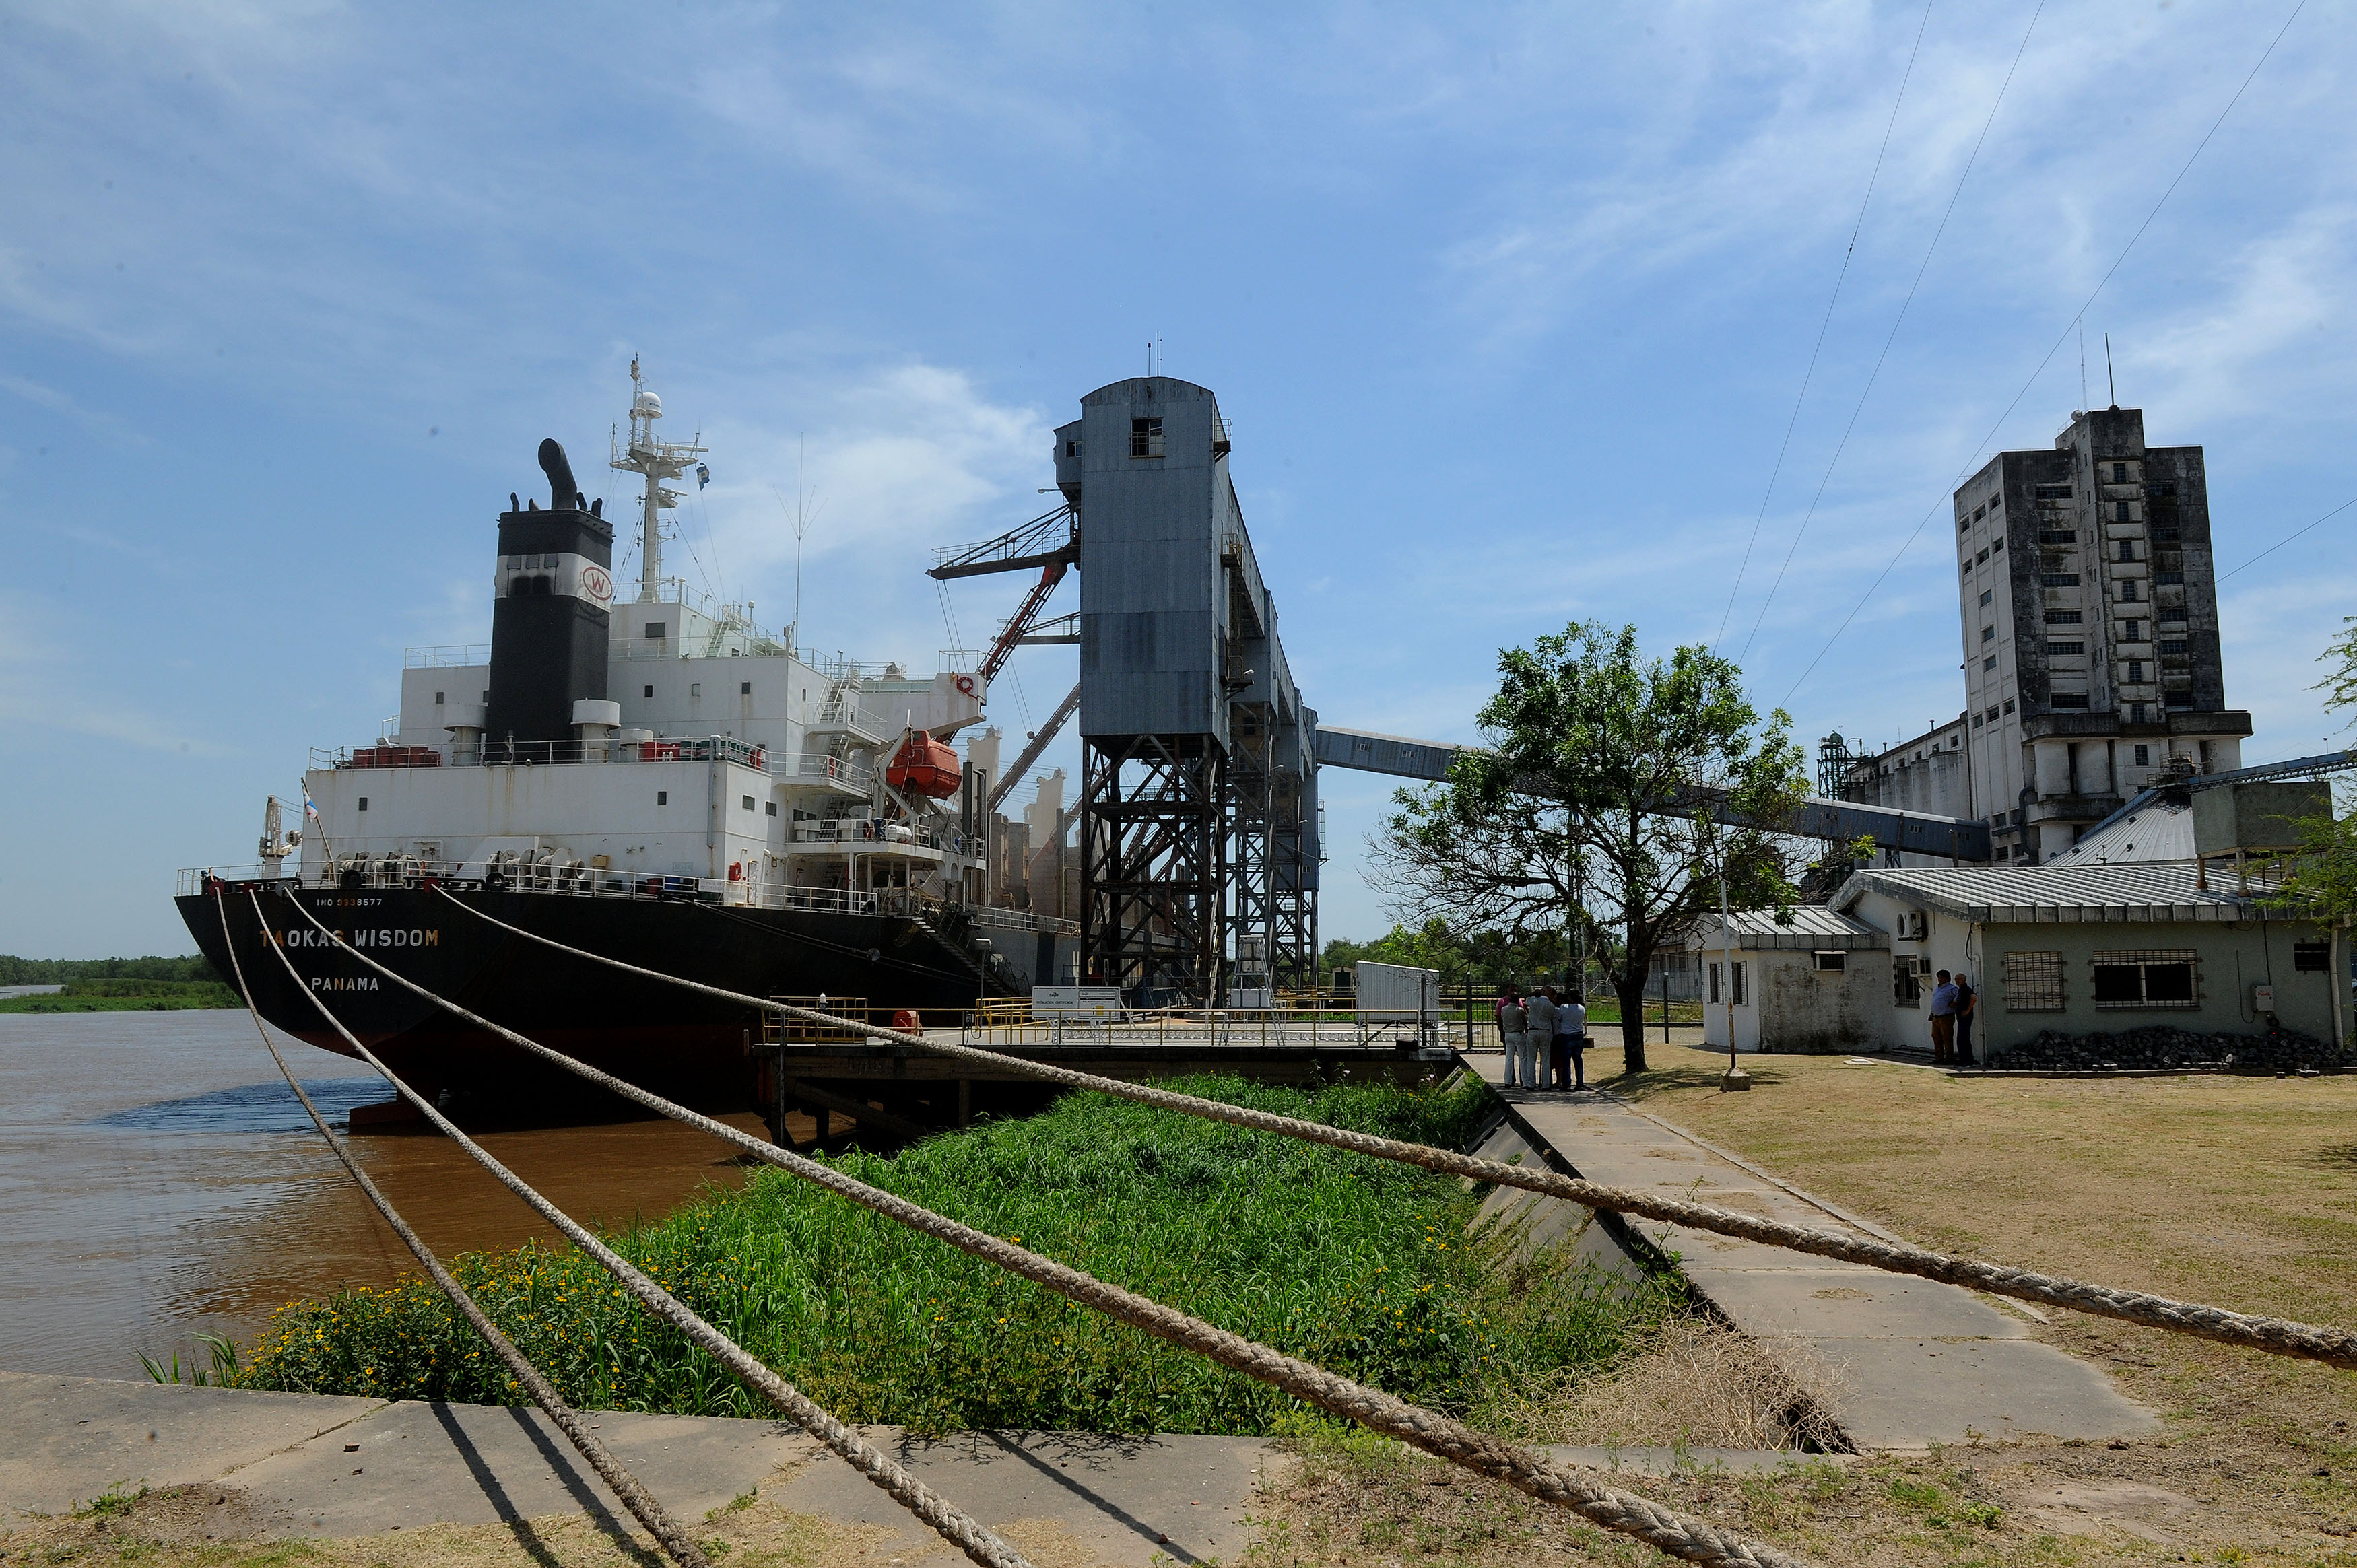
1394,994
1075,1002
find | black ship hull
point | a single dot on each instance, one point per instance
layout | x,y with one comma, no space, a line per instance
678,1042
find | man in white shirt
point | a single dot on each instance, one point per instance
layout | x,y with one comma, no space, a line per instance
1571,1042
1538,1008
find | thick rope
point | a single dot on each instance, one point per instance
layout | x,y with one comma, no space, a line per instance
2276,1336
954,1526
624,1486
1678,1535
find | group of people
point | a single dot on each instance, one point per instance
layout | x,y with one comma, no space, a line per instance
1954,1002
1550,1021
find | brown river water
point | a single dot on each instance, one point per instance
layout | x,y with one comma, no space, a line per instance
158,1178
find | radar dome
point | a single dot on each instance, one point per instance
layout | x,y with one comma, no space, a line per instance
646,403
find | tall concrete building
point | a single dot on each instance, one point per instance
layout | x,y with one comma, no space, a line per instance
2089,603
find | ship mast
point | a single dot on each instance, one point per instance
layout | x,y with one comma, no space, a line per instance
657,461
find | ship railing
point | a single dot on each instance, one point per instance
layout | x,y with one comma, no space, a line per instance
826,765
447,655
488,753
1428,1038
990,915
882,836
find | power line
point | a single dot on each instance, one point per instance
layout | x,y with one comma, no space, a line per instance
2060,340
1875,374
2288,538
1810,374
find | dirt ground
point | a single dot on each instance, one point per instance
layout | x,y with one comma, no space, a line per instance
2236,1191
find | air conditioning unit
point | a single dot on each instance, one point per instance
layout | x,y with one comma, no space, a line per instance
1914,926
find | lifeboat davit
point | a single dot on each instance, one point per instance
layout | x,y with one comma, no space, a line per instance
924,765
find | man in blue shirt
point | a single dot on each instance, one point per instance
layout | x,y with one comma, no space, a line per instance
1943,1018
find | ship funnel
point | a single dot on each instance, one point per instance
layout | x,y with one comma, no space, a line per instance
554,593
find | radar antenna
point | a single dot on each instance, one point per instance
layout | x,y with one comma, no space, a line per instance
657,461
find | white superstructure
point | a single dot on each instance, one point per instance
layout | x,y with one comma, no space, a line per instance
722,752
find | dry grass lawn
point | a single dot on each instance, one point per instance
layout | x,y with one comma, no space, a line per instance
2236,1191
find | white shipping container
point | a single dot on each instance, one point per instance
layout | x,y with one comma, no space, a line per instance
1394,994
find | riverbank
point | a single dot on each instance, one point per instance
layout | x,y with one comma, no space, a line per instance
1361,1265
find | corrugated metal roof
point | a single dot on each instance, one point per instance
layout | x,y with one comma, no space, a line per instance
1813,928
2163,890
2158,829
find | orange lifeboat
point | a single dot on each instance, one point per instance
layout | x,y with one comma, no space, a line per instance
924,765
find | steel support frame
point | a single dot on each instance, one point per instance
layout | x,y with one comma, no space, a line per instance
1154,865
1252,732
1292,901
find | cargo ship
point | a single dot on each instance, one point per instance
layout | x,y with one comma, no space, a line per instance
657,781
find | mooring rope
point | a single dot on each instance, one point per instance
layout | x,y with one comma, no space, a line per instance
1678,1535
959,1528
635,1496
2276,1336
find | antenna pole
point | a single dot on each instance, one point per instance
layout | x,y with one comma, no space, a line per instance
2083,361
2107,371
656,461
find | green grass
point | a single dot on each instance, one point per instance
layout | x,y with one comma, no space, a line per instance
127,995
1355,1264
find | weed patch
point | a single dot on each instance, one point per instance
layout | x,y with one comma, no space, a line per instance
1356,1264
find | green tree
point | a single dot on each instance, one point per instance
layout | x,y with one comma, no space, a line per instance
2323,881
1459,955
1614,795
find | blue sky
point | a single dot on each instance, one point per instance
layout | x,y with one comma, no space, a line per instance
1509,305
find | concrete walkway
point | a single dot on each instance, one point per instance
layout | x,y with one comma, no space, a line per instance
312,1464
1912,1363
308,1464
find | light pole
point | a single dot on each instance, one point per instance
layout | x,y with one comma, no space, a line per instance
1736,1079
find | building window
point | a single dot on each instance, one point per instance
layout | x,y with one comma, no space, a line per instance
651,691
2172,645
2134,632
2008,705
2033,982
2165,535
2172,579
2119,511
2058,536
1714,985
1981,557
769,807
1146,438
2311,957
2067,700
1987,594
2060,579
657,630
438,699
2164,488
1992,715
662,797
1829,962
1987,632
2127,592
1906,981
2146,977
2178,699
2135,672
2055,644
2167,615
744,688
1976,721
1072,448
2127,549
1998,548
1989,663
749,801
2061,617
2055,493
364,802
1736,971
2143,756
2119,473
1996,501
1979,512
